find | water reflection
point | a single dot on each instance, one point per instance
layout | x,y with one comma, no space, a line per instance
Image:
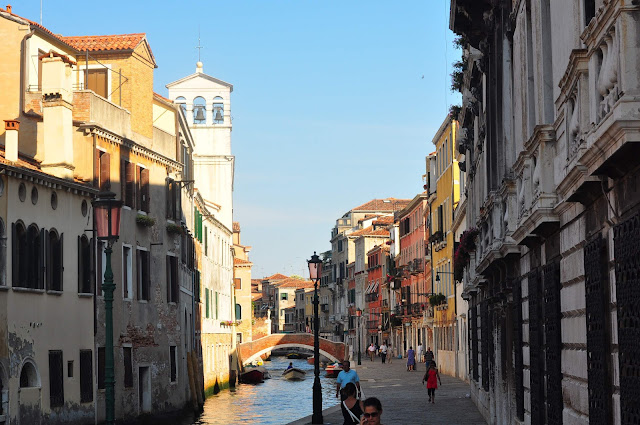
276,401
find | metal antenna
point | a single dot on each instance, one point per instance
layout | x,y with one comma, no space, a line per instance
40,12
199,47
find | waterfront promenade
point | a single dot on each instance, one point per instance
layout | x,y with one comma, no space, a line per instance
404,398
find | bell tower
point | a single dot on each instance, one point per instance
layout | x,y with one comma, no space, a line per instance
205,102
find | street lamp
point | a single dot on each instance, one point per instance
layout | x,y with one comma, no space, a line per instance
358,315
106,212
315,273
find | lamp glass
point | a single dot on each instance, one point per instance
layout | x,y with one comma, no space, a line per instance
315,267
437,278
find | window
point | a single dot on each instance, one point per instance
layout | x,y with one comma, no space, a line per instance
127,273
3,256
284,296
143,189
56,384
102,171
86,376
206,241
216,305
97,82
340,246
173,290
174,361
143,269
173,200
128,367
238,312
101,368
27,261
206,305
29,376
70,369
54,260
237,283
182,102
128,183
589,11
85,277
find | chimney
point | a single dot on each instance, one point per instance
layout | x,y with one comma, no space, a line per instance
8,8
11,140
57,110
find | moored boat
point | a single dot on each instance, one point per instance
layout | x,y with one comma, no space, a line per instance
333,370
296,355
251,376
294,374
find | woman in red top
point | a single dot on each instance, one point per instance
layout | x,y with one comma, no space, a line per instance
433,378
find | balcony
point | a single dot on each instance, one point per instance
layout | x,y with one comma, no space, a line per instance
372,324
536,187
371,297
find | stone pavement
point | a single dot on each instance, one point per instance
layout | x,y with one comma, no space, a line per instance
404,398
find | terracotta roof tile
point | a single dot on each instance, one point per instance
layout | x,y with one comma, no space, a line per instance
241,262
384,220
95,43
391,204
164,99
294,283
277,276
236,226
368,231
40,27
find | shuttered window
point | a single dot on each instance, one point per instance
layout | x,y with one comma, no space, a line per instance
174,360
102,171
101,368
143,266
143,184
86,376
128,177
97,82
54,260
56,383
85,276
172,279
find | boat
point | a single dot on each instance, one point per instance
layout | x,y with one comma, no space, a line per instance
333,370
294,374
251,376
296,355
265,372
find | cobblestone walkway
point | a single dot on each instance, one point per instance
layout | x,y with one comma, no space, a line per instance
404,398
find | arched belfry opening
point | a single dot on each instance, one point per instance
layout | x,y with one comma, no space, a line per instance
218,110
199,110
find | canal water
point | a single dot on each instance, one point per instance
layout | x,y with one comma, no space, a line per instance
276,401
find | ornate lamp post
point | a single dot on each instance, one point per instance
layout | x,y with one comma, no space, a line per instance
358,315
106,211
315,273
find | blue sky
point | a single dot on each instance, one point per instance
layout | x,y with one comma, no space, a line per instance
334,103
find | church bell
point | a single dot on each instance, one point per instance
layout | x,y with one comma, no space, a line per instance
218,117
200,114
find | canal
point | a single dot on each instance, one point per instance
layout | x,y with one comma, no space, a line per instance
277,401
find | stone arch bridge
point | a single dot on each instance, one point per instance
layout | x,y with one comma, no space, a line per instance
252,350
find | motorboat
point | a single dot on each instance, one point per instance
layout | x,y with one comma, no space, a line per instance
265,372
294,374
296,355
251,376
333,370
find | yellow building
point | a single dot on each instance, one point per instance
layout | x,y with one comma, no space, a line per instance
443,175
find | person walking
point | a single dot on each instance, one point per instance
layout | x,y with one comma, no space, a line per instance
428,357
352,407
390,353
372,350
411,359
419,353
433,378
345,376
383,352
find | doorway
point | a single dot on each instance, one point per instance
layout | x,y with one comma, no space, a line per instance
144,389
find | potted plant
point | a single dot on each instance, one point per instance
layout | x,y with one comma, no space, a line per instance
174,229
145,220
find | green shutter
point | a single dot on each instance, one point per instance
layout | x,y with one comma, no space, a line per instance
206,293
216,305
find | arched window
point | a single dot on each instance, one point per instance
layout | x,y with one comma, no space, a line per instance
182,102
85,280
54,254
199,110
29,376
19,255
218,110
34,263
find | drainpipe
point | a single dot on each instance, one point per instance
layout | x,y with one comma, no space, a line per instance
25,67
